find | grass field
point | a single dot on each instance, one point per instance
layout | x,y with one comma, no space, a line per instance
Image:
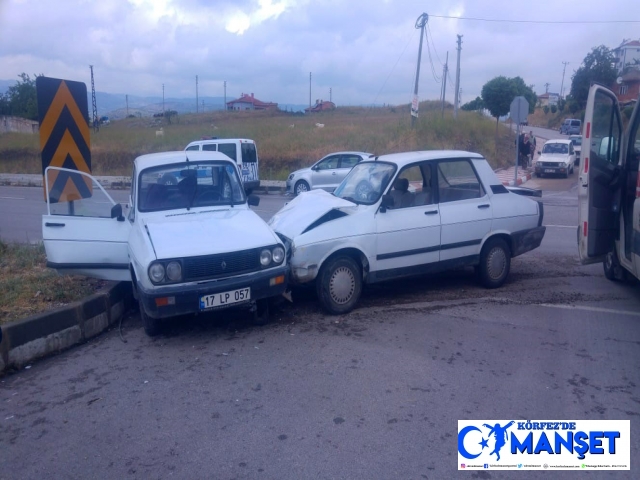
285,141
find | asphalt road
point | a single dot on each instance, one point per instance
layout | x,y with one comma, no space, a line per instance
373,394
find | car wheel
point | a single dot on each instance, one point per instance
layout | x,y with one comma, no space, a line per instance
151,325
339,285
612,269
495,262
168,179
261,313
301,187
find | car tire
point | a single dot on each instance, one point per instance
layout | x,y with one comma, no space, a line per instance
339,285
151,325
300,187
168,179
495,262
261,313
612,268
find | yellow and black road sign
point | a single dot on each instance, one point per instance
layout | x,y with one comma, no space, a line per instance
64,137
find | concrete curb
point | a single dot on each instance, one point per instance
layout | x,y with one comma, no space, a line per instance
50,332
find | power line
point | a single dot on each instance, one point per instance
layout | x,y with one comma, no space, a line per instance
536,21
433,70
434,45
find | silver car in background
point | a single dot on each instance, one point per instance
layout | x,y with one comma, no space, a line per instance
327,173
577,147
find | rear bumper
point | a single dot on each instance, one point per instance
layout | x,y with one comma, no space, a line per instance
175,300
527,240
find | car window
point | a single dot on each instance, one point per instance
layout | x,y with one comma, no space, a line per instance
132,196
329,163
193,148
349,161
554,148
571,149
457,180
209,147
186,185
87,199
575,123
412,187
229,149
366,182
605,129
249,153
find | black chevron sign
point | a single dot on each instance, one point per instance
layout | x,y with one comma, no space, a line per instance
64,137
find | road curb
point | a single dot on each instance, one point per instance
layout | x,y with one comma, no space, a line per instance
51,332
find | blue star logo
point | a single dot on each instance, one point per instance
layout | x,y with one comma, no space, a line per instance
484,443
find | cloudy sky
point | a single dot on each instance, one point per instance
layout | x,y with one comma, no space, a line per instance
364,50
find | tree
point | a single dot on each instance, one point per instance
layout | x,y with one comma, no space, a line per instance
20,99
497,95
554,109
545,109
599,67
476,104
561,104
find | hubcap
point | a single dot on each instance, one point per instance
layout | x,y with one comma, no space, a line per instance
342,285
302,187
609,261
496,263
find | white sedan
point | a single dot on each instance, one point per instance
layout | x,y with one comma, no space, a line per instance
556,157
186,248
407,214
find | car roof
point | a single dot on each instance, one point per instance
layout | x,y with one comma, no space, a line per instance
558,140
366,154
405,158
167,158
218,140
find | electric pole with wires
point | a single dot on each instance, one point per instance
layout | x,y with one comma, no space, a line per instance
445,72
457,91
421,22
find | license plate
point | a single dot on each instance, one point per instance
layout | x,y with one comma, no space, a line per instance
225,298
549,170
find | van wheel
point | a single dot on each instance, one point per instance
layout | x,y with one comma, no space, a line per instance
339,285
301,187
495,262
612,269
151,325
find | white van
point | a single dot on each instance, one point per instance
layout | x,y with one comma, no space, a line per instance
240,150
609,187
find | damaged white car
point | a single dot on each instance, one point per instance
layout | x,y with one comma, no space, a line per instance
188,247
407,214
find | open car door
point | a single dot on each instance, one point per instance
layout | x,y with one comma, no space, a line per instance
599,182
84,231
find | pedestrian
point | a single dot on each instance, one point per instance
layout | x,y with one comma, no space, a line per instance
525,150
532,141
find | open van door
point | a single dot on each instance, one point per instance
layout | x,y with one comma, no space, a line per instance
84,230
599,182
632,166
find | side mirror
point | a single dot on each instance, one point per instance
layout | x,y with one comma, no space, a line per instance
387,202
315,168
253,200
116,212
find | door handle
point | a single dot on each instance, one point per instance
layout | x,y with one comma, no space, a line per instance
49,224
431,212
484,205
333,173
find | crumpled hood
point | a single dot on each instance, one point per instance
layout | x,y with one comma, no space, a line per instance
554,157
302,211
207,233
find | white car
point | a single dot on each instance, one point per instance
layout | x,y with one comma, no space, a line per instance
557,157
407,214
327,173
577,147
190,247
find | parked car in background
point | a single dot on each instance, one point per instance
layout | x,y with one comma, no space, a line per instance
577,147
241,150
190,247
407,214
326,173
557,157
609,188
571,126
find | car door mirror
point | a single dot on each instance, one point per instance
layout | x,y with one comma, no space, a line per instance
387,202
116,212
253,200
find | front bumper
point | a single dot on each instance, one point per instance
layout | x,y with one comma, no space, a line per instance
172,300
290,184
551,169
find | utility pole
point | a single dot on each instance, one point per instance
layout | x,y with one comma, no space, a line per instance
330,95
562,84
546,87
445,72
96,124
126,99
225,95
455,103
309,89
196,93
421,22
163,100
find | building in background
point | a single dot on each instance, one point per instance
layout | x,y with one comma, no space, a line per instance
627,55
321,106
249,102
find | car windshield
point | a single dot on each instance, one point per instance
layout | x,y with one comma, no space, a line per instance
576,140
189,184
366,182
561,148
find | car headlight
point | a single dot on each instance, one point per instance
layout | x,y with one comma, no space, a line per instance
291,176
156,272
265,257
174,271
278,255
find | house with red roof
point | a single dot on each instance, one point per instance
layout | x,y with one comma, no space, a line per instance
249,102
321,106
627,55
